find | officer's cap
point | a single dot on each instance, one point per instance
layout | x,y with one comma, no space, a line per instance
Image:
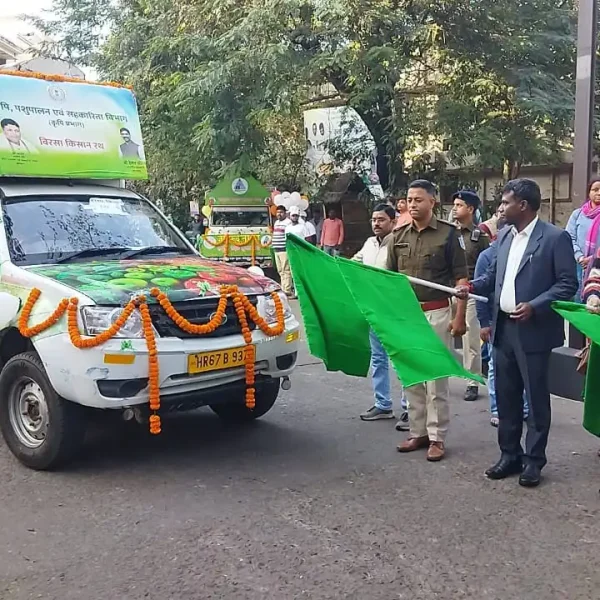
468,197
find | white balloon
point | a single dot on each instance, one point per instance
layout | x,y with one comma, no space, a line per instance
286,195
278,200
296,197
303,204
287,202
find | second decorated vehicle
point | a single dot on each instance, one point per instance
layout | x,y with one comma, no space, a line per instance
239,223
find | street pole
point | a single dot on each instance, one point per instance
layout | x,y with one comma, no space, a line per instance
587,31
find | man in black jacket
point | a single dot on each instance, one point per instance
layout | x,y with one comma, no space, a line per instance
535,265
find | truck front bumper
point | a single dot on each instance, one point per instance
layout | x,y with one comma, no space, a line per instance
90,377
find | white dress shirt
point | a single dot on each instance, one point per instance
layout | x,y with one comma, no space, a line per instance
508,301
373,253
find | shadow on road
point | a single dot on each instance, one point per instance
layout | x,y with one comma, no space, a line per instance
197,438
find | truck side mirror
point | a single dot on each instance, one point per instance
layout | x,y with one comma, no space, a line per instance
9,309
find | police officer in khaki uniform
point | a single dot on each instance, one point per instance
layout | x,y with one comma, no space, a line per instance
429,248
474,242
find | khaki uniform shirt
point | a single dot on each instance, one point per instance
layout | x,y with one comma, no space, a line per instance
473,248
433,254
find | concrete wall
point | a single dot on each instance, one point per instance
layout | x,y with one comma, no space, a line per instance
555,184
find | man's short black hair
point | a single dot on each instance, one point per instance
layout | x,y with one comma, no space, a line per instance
387,209
423,184
525,189
281,207
6,122
124,129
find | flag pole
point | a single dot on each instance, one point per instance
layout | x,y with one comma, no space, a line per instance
442,288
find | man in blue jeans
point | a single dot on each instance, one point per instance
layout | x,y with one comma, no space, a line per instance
374,253
484,316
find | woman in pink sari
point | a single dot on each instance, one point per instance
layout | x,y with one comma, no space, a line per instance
584,229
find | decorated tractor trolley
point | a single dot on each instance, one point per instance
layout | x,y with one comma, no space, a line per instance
104,305
239,223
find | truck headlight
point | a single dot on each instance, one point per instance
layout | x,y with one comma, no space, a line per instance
97,319
267,310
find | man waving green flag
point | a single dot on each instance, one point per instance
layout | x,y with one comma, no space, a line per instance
340,300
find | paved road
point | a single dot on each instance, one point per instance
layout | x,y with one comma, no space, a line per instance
308,503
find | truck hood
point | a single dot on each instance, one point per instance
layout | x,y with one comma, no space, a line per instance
182,278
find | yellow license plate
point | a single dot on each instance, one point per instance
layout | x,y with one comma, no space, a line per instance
215,361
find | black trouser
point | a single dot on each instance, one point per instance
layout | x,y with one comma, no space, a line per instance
517,371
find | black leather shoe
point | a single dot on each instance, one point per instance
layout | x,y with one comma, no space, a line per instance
531,476
504,468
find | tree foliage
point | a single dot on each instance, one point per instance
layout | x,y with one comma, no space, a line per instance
509,100
222,83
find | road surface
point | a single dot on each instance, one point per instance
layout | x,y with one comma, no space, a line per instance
308,503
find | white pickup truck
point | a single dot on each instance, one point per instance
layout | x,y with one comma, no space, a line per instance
104,245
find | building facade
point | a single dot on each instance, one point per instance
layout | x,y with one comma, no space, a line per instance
19,45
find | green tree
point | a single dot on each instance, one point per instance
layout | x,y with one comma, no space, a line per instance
221,83
507,93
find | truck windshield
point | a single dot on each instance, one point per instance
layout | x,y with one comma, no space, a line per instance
49,229
240,217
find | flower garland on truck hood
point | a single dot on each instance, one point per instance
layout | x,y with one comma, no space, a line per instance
243,308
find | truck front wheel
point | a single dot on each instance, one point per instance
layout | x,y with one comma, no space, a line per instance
40,428
235,411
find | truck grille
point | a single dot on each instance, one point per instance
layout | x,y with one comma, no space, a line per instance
197,312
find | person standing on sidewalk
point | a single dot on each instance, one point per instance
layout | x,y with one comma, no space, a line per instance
535,266
316,221
403,216
474,242
297,225
332,234
584,229
429,248
311,230
374,253
278,244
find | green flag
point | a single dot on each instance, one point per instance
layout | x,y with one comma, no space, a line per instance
341,300
336,330
589,325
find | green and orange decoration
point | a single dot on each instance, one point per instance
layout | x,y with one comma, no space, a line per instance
242,304
239,241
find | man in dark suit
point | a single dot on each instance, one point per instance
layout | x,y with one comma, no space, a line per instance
535,265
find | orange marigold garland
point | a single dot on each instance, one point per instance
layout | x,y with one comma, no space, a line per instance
63,79
79,342
243,308
183,323
249,350
260,322
27,331
153,379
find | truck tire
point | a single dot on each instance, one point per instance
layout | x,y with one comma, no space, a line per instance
236,411
40,428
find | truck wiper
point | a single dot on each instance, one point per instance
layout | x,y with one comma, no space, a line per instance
91,253
156,250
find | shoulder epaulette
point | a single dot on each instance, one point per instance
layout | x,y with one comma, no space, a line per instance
450,223
399,229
